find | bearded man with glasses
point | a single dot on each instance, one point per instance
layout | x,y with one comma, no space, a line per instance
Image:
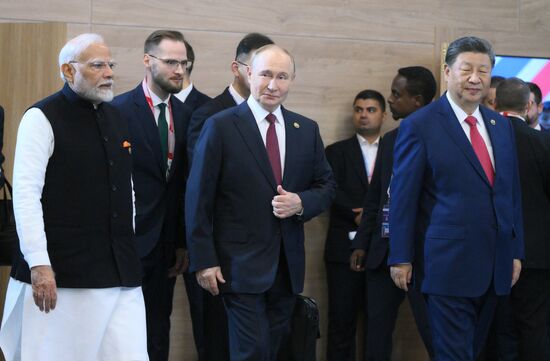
157,123
75,289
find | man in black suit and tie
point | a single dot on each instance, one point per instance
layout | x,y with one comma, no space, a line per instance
189,94
259,172
412,88
207,311
234,94
535,107
157,124
352,162
531,294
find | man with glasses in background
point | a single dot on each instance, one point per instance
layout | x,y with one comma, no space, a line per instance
157,125
75,288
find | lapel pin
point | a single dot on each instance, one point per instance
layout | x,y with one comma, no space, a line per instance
296,125
493,122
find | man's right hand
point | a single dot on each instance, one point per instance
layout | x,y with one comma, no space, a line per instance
356,260
208,279
44,288
401,274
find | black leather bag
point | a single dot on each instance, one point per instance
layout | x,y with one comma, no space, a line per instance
8,234
304,332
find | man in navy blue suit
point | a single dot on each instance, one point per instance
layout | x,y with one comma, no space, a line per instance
455,205
157,123
258,173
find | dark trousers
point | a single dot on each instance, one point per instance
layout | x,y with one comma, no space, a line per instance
346,297
502,343
460,324
530,302
158,293
383,301
259,322
209,321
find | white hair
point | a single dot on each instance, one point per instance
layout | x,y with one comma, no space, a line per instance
74,47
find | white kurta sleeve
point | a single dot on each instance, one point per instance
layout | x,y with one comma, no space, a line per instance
35,145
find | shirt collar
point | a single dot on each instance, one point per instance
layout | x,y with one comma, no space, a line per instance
260,113
461,114
236,96
512,114
363,140
155,98
184,93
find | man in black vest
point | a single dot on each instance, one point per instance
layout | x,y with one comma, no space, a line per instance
157,123
74,211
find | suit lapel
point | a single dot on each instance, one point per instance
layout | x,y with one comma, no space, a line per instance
292,135
357,160
455,131
246,125
500,147
148,124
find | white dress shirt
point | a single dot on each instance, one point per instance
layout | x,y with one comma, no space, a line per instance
369,151
461,116
260,114
184,93
236,96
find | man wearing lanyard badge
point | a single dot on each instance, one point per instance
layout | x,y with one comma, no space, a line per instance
157,125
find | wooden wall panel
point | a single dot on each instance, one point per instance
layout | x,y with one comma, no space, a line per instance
46,10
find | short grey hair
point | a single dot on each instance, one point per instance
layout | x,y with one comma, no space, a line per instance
74,47
273,47
469,44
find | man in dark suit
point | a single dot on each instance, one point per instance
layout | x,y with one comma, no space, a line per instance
158,125
412,88
258,173
207,311
189,94
234,94
352,162
455,205
535,107
530,296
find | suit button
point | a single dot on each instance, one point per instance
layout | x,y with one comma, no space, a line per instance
105,138
114,188
115,215
111,162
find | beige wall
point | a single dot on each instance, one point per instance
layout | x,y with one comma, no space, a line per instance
341,47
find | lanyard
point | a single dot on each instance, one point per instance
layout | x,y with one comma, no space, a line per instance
171,138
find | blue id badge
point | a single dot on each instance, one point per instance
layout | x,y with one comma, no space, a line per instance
385,221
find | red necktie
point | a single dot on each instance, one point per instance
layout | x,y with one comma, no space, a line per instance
480,149
272,146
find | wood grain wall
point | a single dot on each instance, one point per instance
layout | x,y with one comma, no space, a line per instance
340,46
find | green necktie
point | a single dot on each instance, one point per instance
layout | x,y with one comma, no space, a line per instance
163,133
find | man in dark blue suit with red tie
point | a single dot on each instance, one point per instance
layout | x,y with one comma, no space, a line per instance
259,172
455,205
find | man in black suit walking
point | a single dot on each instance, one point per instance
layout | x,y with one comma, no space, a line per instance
189,94
207,311
234,94
530,296
352,162
412,88
157,123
